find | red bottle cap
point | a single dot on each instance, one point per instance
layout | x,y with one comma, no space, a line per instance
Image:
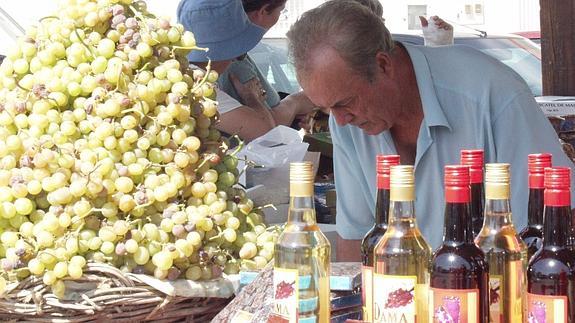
383,166
457,182
474,159
557,186
536,164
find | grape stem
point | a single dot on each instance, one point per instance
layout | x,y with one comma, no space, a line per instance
204,79
83,43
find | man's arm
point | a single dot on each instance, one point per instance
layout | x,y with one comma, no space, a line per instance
521,129
355,196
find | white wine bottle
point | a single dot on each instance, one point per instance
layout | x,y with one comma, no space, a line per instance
301,257
504,250
402,257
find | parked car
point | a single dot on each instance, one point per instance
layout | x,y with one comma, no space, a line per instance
517,52
534,36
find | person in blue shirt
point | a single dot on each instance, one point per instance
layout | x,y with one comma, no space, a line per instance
223,27
423,103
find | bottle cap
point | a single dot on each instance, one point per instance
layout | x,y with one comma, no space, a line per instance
457,182
383,165
474,159
301,179
402,183
536,164
497,179
557,186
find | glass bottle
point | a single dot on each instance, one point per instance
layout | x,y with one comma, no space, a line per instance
401,278
383,164
459,273
551,271
504,250
532,233
301,257
474,159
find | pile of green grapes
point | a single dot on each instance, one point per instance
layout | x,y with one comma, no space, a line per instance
109,153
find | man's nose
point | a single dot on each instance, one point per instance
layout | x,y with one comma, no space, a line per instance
342,117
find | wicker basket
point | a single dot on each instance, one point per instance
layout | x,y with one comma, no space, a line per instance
103,294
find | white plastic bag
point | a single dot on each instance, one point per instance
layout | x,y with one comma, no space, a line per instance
274,151
435,36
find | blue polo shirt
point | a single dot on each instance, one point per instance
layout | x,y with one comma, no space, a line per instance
470,101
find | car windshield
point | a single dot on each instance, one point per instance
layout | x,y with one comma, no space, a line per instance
520,54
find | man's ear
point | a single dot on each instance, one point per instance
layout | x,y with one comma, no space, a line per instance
384,63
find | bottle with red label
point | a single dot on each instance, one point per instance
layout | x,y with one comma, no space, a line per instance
383,164
551,271
532,233
474,159
459,272
401,277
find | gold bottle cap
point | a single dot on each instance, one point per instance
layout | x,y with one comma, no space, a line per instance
497,180
301,179
402,183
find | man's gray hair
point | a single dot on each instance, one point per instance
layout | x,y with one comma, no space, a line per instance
374,5
350,28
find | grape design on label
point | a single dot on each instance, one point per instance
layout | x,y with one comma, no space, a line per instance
284,290
399,298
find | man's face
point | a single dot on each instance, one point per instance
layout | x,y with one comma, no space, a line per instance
352,99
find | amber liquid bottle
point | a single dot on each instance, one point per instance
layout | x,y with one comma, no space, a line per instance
301,258
504,250
551,271
532,233
459,273
474,159
401,278
383,164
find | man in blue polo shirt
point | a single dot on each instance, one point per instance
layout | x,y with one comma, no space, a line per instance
425,104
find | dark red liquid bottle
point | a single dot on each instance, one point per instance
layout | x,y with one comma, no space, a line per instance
551,270
474,159
534,229
370,240
459,271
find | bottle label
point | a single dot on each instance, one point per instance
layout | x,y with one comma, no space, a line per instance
286,296
505,294
496,298
367,292
454,305
543,308
395,299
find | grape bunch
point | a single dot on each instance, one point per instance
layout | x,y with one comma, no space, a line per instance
399,298
284,290
109,153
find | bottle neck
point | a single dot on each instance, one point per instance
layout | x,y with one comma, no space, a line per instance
382,208
497,213
476,206
301,206
556,228
477,194
535,207
457,227
401,211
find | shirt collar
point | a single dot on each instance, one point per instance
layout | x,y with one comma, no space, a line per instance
432,111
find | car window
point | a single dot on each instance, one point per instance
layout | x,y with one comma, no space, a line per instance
522,56
271,57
